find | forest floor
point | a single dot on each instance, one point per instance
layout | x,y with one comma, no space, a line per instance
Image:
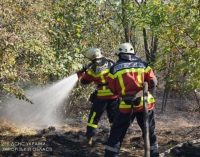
68,140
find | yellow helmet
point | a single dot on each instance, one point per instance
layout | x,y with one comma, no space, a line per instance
126,48
93,53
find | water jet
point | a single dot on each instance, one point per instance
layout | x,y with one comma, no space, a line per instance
46,102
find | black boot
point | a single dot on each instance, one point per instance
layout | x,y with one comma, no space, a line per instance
110,154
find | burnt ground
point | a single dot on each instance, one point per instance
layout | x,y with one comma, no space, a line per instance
68,140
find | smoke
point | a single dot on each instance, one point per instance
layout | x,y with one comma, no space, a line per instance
47,101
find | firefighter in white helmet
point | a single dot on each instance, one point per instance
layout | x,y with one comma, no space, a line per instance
102,99
93,54
126,79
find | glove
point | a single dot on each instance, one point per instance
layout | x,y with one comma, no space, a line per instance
81,72
83,69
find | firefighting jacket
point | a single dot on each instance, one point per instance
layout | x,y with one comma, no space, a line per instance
96,73
126,79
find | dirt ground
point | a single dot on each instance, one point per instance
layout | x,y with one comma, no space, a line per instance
68,140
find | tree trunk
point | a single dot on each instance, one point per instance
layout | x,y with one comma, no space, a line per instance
197,100
146,47
154,46
150,52
125,23
165,97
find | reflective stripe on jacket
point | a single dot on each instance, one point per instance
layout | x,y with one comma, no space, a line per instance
127,77
97,75
125,107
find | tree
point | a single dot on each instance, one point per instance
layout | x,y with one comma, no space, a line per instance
75,29
45,40
24,51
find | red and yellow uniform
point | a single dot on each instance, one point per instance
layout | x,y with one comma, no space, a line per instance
103,99
97,75
126,80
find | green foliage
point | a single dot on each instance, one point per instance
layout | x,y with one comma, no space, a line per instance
179,44
176,25
42,40
74,29
25,54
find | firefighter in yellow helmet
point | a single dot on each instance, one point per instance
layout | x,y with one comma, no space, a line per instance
102,99
126,78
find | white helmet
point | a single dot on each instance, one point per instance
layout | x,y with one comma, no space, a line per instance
125,48
93,53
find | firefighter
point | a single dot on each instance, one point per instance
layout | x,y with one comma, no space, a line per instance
126,78
102,99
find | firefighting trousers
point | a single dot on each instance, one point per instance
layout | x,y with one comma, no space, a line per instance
119,128
96,111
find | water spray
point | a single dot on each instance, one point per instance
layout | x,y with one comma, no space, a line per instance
46,103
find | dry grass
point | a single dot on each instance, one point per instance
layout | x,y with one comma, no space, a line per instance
8,128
